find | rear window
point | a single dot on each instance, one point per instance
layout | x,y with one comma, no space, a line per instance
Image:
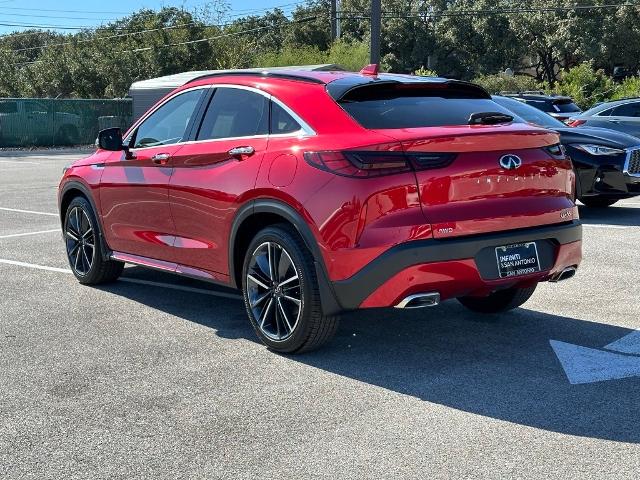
565,106
413,106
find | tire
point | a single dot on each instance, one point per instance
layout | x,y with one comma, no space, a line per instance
598,201
500,301
83,243
281,294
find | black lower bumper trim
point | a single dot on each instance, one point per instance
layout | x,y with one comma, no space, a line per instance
354,290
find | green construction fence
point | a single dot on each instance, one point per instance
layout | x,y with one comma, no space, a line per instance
47,122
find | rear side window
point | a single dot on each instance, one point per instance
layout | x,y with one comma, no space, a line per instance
281,121
565,106
627,110
409,106
235,112
605,113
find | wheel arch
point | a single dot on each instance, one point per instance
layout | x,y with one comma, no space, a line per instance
71,190
258,214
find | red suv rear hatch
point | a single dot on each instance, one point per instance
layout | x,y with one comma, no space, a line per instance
471,178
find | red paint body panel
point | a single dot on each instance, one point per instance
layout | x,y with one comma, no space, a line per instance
181,214
461,277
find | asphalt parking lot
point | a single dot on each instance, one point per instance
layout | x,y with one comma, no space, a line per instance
160,377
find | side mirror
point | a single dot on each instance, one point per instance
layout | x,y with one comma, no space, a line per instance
110,139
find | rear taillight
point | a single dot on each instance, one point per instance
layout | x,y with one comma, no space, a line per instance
575,123
367,164
556,150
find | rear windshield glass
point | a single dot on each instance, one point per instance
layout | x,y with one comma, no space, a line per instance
392,106
565,106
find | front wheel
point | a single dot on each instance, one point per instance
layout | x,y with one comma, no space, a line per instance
281,293
500,301
83,244
598,202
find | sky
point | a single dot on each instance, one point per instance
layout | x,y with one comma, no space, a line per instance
91,13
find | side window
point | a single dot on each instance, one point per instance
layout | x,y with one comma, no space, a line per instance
234,112
281,121
627,110
605,113
168,124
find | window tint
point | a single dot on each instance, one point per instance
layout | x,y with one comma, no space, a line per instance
281,121
628,110
168,124
605,113
565,106
401,107
8,107
528,113
235,113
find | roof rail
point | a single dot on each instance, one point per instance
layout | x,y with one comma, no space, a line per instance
264,73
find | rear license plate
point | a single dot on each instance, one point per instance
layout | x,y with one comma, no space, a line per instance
518,259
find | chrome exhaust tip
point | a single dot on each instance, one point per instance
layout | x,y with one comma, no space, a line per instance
420,300
565,274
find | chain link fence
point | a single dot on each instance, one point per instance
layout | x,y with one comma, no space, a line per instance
31,122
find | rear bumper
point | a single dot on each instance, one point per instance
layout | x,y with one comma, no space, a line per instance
456,267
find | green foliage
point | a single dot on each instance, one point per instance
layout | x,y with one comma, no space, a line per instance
425,72
586,85
349,55
507,83
547,46
630,87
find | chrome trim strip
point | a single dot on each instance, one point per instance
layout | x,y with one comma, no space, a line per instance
305,130
434,297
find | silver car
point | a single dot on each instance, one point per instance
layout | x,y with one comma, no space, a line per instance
621,115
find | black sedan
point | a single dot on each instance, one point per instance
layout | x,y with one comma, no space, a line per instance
607,163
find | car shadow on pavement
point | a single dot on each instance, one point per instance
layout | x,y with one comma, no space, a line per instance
623,216
501,367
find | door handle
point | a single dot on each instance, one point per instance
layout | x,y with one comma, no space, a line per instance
240,151
160,158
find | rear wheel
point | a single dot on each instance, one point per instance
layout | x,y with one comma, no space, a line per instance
500,301
83,243
598,202
281,294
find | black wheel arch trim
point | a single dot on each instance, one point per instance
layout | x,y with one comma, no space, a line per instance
86,192
351,292
330,305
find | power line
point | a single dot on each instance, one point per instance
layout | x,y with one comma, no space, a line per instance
191,42
250,12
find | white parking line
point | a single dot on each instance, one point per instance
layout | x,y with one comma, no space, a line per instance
597,225
19,162
127,280
13,235
34,266
28,211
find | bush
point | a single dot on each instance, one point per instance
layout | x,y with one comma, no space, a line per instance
585,85
630,87
507,83
349,55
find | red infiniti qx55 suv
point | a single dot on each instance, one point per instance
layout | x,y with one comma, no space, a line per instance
319,192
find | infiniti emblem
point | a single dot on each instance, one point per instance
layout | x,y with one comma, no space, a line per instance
510,162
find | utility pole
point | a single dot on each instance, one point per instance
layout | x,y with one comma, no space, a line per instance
338,29
376,20
334,20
